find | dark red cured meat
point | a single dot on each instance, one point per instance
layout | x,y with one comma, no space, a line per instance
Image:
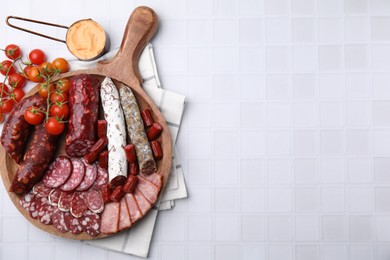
25,201
76,177
38,155
58,172
148,189
135,213
16,130
101,179
77,206
65,201
45,211
94,201
143,204
90,223
154,178
75,225
41,190
83,115
33,210
60,222
118,181
89,177
54,197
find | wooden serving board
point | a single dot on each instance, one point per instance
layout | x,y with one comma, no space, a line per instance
123,68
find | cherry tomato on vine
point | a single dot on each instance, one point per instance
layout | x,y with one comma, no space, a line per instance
57,96
37,56
59,110
3,90
13,51
44,90
63,85
17,94
33,115
54,127
16,80
7,105
61,64
47,68
5,66
34,75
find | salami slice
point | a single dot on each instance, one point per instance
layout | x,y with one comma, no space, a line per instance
45,212
26,200
101,179
124,216
149,190
94,201
33,209
89,177
75,225
76,177
58,172
110,218
54,197
143,204
41,190
135,213
65,201
90,223
154,178
77,206
60,222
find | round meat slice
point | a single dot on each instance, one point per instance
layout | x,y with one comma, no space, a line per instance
89,178
65,201
77,206
94,201
54,197
45,212
58,172
41,190
26,200
101,179
76,176
90,223
33,209
75,225
60,222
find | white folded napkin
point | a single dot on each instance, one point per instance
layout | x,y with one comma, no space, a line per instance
136,241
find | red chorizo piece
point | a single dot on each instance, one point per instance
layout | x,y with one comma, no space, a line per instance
157,151
133,168
103,159
16,130
101,128
154,131
130,153
147,117
106,193
117,194
84,105
39,153
99,146
130,184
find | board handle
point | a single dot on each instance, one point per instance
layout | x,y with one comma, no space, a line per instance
140,28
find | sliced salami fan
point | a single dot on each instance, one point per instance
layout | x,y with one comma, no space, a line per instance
154,178
76,177
77,206
45,212
89,177
94,201
75,225
58,172
135,213
65,201
54,197
90,223
41,190
33,209
101,179
60,221
124,216
149,190
110,218
143,204
26,200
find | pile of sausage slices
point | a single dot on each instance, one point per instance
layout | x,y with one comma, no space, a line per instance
106,179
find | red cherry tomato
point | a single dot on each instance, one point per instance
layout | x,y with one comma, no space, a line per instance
17,94
44,91
33,116
3,90
16,80
34,75
5,66
1,118
63,85
54,127
37,56
13,51
57,96
61,64
59,110
7,105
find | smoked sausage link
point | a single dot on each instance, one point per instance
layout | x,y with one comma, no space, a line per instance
39,153
84,105
16,130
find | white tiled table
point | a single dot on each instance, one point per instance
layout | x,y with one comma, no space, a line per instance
286,137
